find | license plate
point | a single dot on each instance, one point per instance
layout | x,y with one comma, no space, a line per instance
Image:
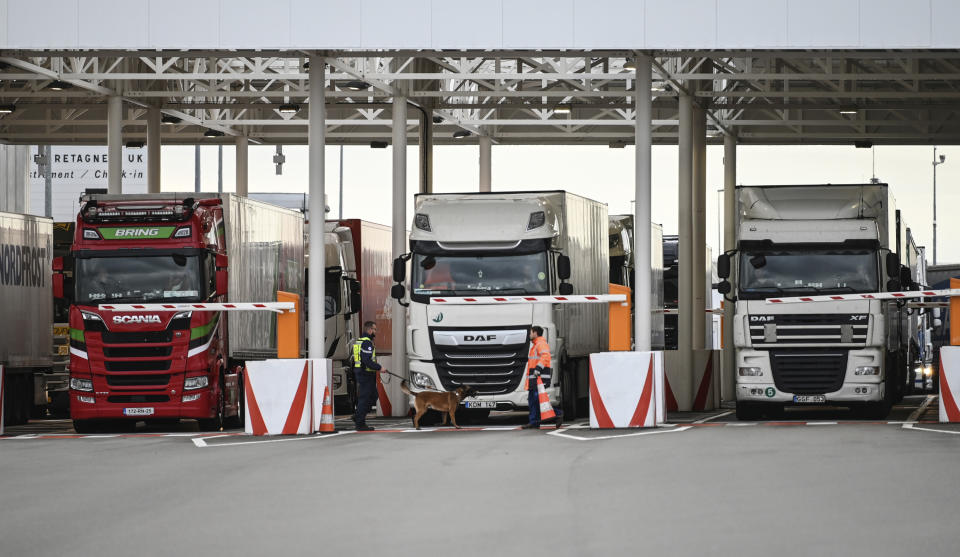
61,331
63,350
484,404
138,411
809,399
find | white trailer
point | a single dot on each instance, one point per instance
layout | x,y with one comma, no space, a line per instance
496,244
819,239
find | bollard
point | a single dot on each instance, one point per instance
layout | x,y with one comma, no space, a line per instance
288,327
620,323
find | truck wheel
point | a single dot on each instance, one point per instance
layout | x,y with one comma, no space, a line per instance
749,411
85,426
568,390
216,422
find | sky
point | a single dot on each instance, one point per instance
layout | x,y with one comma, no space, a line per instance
601,173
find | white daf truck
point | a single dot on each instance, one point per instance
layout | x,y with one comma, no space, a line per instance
816,240
503,244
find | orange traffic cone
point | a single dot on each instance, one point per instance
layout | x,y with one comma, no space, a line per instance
326,413
546,410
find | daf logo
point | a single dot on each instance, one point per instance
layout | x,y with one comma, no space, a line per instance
438,318
761,318
479,338
136,319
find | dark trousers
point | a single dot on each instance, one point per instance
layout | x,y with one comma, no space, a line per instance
366,394
533,400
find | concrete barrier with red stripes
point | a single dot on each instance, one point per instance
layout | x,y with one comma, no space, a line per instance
696,391
950,384
391,400
278,397
626,390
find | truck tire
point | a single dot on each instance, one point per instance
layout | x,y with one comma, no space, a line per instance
568,389
86,426
749,411
216,422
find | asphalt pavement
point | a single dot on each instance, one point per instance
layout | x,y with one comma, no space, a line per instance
820,485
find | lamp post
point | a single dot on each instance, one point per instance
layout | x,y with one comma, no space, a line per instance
936,161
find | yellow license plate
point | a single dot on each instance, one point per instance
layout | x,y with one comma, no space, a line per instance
63,350
61,331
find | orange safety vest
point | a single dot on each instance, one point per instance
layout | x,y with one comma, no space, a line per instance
539,356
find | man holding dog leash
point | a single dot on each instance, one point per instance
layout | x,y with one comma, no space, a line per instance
365,368
538,365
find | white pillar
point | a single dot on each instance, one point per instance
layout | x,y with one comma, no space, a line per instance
399,339
153,150
317,138
729,242
242,166
683,387
485,162
114,144
699,228
643,318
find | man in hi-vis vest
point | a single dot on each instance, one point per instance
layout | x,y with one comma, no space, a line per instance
538,365
365,368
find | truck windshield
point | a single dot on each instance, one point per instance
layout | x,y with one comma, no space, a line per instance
494,274
134,279
765,274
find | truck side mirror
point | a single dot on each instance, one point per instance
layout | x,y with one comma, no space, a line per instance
222,282
724,287
58,264
893,265
566,289
893,285
563,267
905,279
399,270
356,302
221,261
398,292
57,277
723,267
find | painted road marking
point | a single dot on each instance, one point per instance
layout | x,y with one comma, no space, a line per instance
650,431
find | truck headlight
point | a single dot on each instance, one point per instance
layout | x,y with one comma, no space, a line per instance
928,371
867,370
750,372
183,315
191,398
81,384
191,383
423,381
87,316
87,399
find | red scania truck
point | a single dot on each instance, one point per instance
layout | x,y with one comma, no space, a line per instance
173,248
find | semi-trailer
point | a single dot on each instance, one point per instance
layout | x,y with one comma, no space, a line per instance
173,248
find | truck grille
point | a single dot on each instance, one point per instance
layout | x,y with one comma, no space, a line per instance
136,351
808,372
138,398
813,330
144,337
138,365
160,380
491,370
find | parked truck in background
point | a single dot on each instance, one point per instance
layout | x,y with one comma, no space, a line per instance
622,269
173,248
503,244
812,240
26,251
58,381
363,285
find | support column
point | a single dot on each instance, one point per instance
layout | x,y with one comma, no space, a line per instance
729,369
114,145
196,169
399,224
683,386
242,165
485,162
48,182
153,150
699,228
317,139
642,306
426,151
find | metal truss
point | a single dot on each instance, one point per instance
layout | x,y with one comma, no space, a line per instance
766,97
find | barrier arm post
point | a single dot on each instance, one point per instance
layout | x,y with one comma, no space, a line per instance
288,327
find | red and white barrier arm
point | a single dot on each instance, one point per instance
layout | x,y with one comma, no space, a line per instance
499,300
871,296
277,307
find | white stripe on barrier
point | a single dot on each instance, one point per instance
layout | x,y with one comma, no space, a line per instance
870,296
278,307
496,300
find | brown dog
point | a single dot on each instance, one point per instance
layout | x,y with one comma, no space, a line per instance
445,402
